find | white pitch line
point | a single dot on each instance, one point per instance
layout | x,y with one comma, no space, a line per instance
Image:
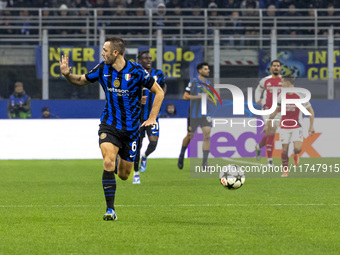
240,161
171,205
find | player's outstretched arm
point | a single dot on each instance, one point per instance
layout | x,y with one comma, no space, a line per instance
78,80
259,92
273,114
159,96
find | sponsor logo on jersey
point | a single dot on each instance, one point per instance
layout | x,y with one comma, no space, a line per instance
120,92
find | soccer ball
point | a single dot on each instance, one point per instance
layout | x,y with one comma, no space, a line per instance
232,177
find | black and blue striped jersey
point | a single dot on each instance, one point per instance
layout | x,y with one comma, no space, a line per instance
194,88
123,92
158,75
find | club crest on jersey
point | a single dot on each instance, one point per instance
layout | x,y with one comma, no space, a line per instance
269,84
116,83
127,77
155,77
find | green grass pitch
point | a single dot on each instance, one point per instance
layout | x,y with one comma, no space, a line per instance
56,207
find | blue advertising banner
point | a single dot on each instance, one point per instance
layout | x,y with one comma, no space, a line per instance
82,59
311,64
178,62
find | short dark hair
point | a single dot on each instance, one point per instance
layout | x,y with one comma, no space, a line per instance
275,60
171,104
117,43
18,84
289,77
200,65
250,4
45,108
141,53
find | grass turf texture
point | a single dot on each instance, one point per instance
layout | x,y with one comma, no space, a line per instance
56,207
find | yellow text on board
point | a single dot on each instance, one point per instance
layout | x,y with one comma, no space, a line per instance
320,57
173,70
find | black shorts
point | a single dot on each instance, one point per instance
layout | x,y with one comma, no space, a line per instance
126,141
193,123
150,130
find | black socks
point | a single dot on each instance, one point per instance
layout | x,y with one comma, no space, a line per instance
109,186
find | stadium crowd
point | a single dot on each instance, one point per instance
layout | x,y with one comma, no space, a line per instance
168,3
166,15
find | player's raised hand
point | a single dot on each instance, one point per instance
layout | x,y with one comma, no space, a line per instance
149,122
64,68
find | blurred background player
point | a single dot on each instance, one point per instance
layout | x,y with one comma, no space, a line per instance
193,92
264,97
145,59
290,124
19,104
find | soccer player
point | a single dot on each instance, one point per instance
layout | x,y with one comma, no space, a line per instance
145,59
193,92
122,82
264,97
290,127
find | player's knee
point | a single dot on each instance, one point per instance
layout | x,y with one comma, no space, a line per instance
297,150
285,152
109,163
271,131
206,137
123,176
284,149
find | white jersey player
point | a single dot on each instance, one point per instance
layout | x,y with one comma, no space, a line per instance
290,124
264,97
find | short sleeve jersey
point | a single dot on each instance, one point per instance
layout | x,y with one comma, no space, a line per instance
196,87
267,85
123,91
158,75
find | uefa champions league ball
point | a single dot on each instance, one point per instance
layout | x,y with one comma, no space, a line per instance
232,177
